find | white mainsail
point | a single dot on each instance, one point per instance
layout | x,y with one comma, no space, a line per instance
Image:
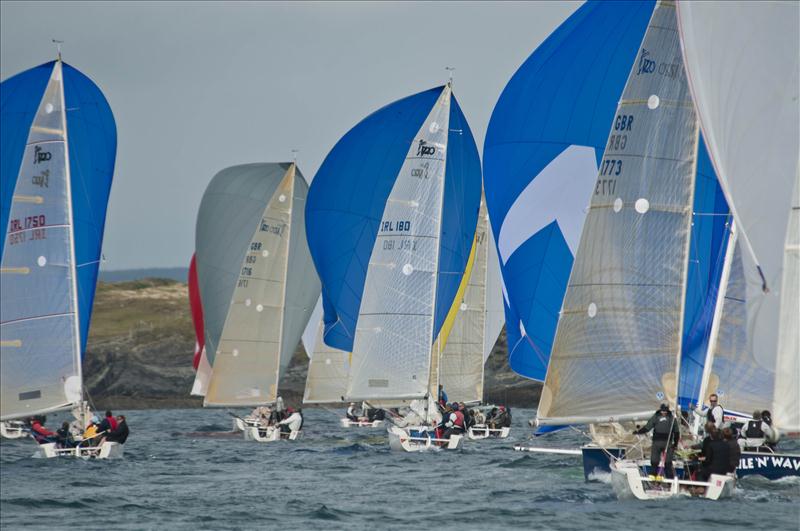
248,360
617,349
392,353
39,335
744,71
462,359
327,372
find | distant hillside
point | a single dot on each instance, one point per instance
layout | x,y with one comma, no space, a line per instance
141,341
179,274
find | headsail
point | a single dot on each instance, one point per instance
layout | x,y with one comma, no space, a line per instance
262,318
327,372
743,66
58,142
621,323
462,359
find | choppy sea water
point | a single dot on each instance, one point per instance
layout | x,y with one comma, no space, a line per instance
175,476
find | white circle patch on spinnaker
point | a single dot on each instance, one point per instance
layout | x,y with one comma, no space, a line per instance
248,302
408,269
42,261
592,309
281,198
617,204
642,205
463,306
653,102
260,308
265,253
48,108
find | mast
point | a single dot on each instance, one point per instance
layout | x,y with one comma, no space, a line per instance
70,217
290,174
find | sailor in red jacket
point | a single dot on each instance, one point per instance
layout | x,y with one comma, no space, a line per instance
39,432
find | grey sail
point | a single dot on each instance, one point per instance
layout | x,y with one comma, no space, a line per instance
255,277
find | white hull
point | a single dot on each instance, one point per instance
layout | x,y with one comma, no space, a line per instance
269,434
107,450
12,430
481,431
628,482
240,424
347,423
400,439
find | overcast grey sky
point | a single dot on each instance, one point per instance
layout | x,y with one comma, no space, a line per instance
199,86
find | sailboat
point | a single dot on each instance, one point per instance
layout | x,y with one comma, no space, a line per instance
618,346
469,344
540,169
257,283
757,363
401,193
57,150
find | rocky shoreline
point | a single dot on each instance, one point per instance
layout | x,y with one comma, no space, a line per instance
141,341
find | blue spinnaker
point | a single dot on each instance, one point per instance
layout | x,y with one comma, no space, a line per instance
347,198
92,139
561,101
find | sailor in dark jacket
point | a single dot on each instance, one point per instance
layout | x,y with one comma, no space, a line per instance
717,458
665,438
120,433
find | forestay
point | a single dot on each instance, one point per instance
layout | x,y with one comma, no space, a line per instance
392,348
618,342
462,359
743,68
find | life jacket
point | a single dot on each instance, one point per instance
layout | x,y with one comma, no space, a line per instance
459,419
754,430
112,422
710,414
663,427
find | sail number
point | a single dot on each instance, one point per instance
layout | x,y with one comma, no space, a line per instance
618,139
400,245
29,222
272,229
17,229
611,167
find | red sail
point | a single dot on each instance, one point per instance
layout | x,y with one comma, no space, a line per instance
197,313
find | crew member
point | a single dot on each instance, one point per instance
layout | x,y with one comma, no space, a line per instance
64,437
39,432
665,438
717,459
121,432
715,412
292,423
454,422
108,424
771,434
352,413
752,435
733,448
442,397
